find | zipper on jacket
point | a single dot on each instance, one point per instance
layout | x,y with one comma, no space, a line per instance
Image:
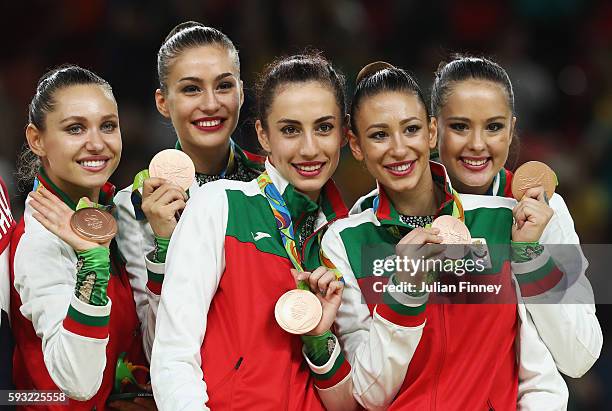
316,232
490,405
229,374
442,358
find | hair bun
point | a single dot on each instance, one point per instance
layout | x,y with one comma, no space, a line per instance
372,68
182,26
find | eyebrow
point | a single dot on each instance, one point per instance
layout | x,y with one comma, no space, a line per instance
82,119
383,125
291,121
198,79
467,120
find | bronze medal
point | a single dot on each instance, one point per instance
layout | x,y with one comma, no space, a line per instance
533,174
93,224
455,234
173,165
298,311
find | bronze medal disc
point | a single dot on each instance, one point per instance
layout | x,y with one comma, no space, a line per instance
173,165
455,234
533,174
94,225
298,311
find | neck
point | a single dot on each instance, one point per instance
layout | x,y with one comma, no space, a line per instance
74,192
420,201
209,160
465,189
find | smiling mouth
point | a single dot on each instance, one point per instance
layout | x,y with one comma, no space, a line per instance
475,164
309,169
400,169
93,165
212,124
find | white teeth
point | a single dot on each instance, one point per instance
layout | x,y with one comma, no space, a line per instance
309,168
212,123
96,163
400,168
474,162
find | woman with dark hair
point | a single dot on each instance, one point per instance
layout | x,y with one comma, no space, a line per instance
201,93
473,104
412,343
67,334
235,249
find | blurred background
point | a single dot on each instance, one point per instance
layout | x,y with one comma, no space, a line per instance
558,54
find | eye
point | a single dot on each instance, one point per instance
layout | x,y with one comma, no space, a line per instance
289,130
459,126
325,128
75,129
226,85
109,126
412,129
190,89
495,126
378,135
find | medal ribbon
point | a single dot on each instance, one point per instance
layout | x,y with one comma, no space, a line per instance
283,222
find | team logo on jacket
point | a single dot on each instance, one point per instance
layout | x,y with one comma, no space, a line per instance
259,235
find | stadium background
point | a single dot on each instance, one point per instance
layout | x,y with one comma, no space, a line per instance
558,54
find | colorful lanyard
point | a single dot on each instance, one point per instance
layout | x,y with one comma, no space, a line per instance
283,221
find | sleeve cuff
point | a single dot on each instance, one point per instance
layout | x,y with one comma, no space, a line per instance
402,309
333,371
538,275
87,320
155,274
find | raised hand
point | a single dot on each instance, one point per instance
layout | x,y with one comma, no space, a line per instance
531,215
55,216
328,289
161,201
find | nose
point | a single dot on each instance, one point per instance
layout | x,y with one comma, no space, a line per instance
95,141
209,102
476,141
399,146
309,147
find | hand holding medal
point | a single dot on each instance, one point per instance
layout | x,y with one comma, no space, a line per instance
533,185
164,185
84,229
303,311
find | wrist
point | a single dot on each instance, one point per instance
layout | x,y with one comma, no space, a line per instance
93,273
319,348
161,249
522,251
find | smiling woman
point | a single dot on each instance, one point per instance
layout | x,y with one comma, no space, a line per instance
67,336
233,254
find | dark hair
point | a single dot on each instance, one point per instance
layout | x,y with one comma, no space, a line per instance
300,68
188,35
466,68
379,77
53,81
43,103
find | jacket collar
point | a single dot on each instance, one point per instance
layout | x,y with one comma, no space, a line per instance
250,160
107,192
502,184
330,202
388,215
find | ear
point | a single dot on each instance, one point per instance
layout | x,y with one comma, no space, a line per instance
355,146
241,93
35,140
433,133
161,103
262,136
